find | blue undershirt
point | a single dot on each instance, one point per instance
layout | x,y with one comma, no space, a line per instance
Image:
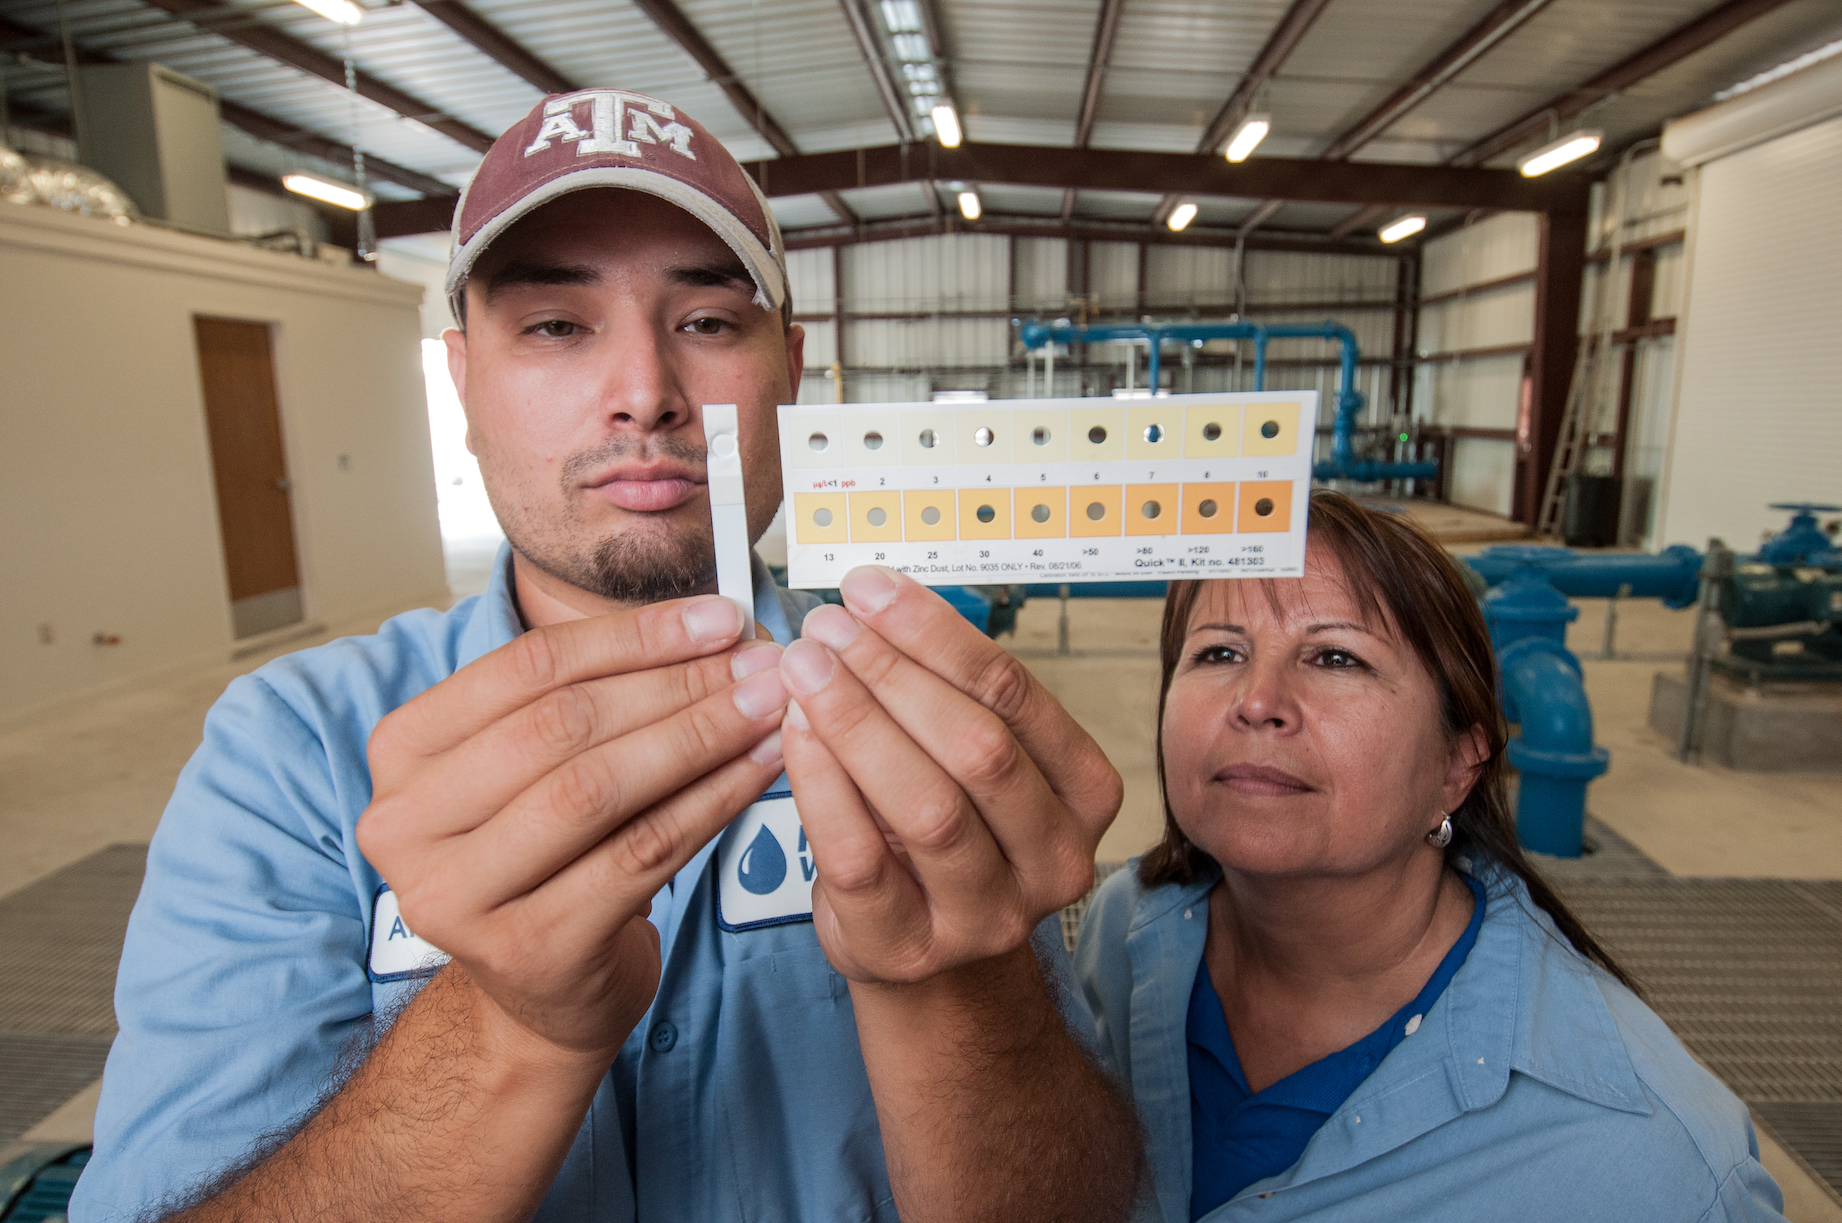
1239,1136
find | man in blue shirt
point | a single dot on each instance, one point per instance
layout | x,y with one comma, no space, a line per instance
634,1014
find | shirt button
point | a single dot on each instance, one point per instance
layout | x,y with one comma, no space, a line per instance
664,1036
1187,914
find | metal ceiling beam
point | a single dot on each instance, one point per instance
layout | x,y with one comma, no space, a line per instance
1470,46
1289,178
1673,47
227,22
264,127
894,104
1261,215
1047,227
489,38
673,23
1097,59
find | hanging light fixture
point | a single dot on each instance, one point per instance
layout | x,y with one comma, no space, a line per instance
1181,216
946,126
342,11
1247,136
331,193
1553,156
1404,228
970,206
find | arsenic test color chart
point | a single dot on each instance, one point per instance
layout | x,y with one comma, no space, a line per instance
1048,490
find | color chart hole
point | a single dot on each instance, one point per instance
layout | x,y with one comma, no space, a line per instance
1097,434
1207,509
1211,432
822,517
1154,433
931,515
818,441
1151,509
984,436
1040,436
985,513
1096,511
877,516
1264,507
1040,514
872,440
928,439
1270,429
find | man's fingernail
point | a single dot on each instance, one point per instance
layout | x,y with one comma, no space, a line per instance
712,618
767,751
759,695
807,665
831,624
796,717
869,588
753,659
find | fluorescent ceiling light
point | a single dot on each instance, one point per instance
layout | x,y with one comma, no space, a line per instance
1405,227
1252,131
912,48
969,205
901,16
342,11
1782,70
1562,151
331,193
946,126
1181,216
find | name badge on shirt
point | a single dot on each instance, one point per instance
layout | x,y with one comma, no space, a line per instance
764,868
396,953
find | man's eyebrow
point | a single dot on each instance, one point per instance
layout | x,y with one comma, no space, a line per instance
713,275
520,272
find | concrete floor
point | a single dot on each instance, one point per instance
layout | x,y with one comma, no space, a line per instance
99,771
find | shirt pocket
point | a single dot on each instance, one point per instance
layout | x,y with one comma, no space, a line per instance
800,1127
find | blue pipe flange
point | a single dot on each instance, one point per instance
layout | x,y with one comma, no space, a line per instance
1509,655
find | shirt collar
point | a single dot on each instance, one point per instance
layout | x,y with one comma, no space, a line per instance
493,621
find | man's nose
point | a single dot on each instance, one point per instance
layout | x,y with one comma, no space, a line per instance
641,385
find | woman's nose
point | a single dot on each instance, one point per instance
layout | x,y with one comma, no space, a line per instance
1263,699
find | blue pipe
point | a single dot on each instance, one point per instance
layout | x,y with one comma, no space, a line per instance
1554,754
1342,465
1673,575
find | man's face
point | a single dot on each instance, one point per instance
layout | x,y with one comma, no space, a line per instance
597,327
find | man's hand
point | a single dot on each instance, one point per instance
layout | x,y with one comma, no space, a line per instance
913,729
527,809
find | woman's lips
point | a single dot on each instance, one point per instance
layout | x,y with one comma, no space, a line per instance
648,495
1256,780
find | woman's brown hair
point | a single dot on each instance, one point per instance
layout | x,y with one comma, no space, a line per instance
1397,573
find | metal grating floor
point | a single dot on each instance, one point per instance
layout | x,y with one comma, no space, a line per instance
60,940
1812,1132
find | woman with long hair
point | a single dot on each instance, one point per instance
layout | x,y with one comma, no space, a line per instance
1338,987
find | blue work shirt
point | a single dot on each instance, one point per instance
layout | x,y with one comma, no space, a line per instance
741,1095
1535,1088
1241,1136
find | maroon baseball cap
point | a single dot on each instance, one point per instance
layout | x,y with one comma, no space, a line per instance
617,138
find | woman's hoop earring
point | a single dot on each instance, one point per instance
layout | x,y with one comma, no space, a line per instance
1441,836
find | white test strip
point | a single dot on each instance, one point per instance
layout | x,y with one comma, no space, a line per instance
735,579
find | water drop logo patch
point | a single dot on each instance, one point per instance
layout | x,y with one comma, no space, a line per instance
761,880
764,864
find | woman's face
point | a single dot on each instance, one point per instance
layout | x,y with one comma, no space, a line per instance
1300,740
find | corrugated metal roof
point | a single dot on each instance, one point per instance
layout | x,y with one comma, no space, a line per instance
1017,70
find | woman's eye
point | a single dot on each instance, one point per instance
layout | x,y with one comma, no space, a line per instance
1217,654
1338,658
556,328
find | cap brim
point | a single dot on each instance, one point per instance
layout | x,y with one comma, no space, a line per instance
762,263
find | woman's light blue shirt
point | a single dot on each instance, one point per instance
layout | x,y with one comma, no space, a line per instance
1536,1088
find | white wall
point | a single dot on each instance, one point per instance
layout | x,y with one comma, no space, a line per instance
105,478
1756,416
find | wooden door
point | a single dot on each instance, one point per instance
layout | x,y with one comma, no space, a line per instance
241,413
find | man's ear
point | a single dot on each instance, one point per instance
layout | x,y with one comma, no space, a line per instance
1470,751
796,359
456,341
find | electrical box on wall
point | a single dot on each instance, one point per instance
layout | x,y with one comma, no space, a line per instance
155,132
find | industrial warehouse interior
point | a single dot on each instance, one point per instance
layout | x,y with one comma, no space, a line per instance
1562,278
